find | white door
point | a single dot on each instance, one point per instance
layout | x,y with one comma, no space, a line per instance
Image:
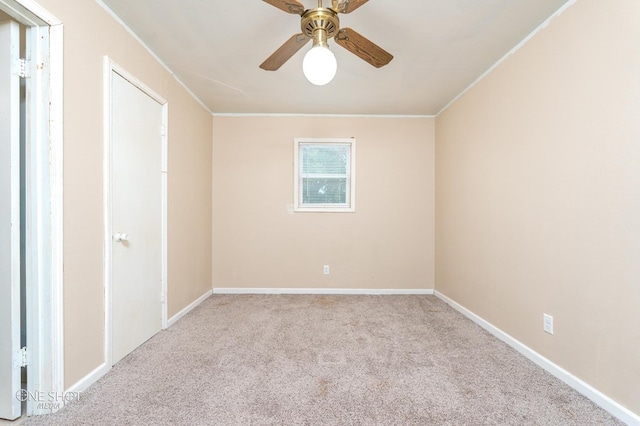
9,222
136,191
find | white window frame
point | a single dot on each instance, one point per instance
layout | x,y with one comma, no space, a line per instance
350,205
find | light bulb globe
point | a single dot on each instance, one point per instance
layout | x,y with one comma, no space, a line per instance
319,65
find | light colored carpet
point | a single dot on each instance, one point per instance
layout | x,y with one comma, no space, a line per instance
327,360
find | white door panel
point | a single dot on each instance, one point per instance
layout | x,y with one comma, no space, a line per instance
9,222
136,185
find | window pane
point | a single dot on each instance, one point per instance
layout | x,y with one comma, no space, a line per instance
325,159
324,191
323,174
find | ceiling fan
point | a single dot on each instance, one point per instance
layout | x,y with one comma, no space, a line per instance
319,25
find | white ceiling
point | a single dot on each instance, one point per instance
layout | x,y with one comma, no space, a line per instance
440,47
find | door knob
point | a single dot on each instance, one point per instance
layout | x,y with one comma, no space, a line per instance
120,236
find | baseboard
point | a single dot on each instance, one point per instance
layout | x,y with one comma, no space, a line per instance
82,384
104,368
188,308
374,292
587,390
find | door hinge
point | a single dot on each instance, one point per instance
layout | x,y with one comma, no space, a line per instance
22,360
21,68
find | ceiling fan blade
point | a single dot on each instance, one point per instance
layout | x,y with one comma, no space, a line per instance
289,6
363,47
285,52
346,6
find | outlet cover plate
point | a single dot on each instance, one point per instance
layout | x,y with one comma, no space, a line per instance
547,323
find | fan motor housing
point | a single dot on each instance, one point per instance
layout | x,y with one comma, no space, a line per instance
320,19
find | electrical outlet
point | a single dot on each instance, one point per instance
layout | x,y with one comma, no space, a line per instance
325,269
547,323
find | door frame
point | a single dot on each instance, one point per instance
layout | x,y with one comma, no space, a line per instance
110,67
44,197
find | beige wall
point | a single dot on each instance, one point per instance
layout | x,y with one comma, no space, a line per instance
387,243
89,34
538,196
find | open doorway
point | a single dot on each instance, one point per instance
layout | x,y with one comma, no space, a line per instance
32,350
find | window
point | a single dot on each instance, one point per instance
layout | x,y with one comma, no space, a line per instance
324,175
